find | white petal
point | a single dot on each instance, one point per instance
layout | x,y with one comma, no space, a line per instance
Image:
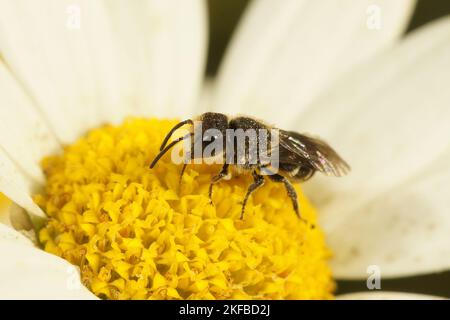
162,46
285,53
392,127
16,186
206,96
58,49
27,272
15,217
395,120
24,135
7,234
386,295
404,231
5,204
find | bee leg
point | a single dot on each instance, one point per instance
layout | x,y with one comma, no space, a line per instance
290,191
222,174
181,173
258,182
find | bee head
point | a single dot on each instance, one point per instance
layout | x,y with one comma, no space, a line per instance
213,127
212,124
213,120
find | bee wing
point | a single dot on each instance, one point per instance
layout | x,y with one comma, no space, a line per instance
317,153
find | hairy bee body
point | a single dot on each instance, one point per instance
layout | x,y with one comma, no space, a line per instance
298,156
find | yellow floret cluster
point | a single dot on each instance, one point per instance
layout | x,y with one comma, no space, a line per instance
135,233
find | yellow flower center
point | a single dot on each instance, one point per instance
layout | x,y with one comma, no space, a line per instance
4,204
136,233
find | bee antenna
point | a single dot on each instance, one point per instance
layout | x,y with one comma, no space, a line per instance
167,148
176,127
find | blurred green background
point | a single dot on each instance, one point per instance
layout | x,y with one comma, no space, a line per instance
224,15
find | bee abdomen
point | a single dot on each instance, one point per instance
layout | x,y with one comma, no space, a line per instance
304,173
298,172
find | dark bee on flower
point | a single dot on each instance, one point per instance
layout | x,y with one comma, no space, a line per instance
249,145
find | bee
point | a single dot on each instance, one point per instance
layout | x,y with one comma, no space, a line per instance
298,156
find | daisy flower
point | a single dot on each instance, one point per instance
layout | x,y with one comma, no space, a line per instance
88,90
